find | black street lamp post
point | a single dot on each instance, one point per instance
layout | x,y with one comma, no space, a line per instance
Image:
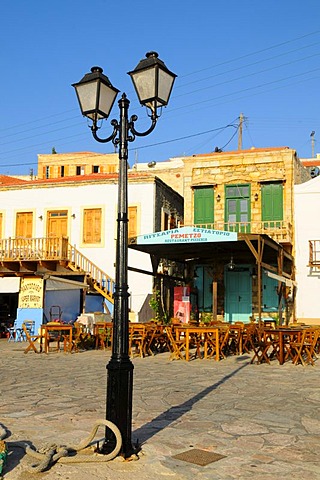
153,83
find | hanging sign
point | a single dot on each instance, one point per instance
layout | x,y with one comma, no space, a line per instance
187,235
31,293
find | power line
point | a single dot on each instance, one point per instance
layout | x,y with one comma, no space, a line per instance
173,112
248,65
68,159
252,53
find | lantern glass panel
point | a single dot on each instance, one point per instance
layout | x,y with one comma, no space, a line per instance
87,97
106,100
145,84
165,84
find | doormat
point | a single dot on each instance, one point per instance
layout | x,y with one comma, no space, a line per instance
199,457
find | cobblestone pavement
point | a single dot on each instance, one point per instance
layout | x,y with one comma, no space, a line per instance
263,419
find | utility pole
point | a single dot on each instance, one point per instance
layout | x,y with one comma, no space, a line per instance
241,118
312,134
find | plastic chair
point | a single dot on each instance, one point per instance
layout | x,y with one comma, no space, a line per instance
30,325
15,334
12,332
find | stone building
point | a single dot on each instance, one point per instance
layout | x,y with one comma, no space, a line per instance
251,194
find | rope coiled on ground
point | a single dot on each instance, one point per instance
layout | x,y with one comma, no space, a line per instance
66,454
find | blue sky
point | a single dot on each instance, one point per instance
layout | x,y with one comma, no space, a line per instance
259,58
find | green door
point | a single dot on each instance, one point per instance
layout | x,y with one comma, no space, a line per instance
203,214
237,208
272,204
238,295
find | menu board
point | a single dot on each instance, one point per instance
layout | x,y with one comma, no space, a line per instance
31,293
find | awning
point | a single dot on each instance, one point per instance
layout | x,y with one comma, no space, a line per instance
206,245
56,283
9,284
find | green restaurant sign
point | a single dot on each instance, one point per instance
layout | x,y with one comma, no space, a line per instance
187,235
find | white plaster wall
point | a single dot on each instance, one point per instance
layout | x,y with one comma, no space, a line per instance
74,199
307,227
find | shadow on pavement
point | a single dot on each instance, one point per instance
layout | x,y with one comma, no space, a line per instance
147,431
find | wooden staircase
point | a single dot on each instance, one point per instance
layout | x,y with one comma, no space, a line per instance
96,278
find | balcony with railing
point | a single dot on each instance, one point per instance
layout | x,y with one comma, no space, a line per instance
280,231
33,249
16,253
314,253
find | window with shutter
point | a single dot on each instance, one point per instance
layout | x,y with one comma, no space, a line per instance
132,217
24,225
92,225
237,208
272,204
203,207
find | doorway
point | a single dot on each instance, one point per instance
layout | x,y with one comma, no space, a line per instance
57,225
238,294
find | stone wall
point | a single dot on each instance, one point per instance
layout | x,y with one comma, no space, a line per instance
250,166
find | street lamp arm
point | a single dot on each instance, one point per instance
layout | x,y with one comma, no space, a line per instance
95,128
129,128
135,132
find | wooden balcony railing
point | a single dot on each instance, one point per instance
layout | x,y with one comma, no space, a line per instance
33,249
96,277
280,231
56,249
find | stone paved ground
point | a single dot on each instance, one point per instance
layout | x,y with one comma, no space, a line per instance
264,419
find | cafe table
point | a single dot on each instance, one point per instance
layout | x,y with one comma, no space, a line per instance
286,336
63,329
189,331
102,331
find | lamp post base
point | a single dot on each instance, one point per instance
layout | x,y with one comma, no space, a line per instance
119,404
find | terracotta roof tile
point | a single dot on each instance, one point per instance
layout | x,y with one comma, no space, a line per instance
310,163
6,180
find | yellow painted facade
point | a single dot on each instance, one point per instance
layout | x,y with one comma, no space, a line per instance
58,165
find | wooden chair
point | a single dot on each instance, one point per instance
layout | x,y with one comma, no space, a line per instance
31,339
235,341
175,346
103,334
217,348
304,348
137,340
197,341
54,338
248,337
156,340
261,345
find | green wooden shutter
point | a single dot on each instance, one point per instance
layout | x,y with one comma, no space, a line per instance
272,203
204,207
237,208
